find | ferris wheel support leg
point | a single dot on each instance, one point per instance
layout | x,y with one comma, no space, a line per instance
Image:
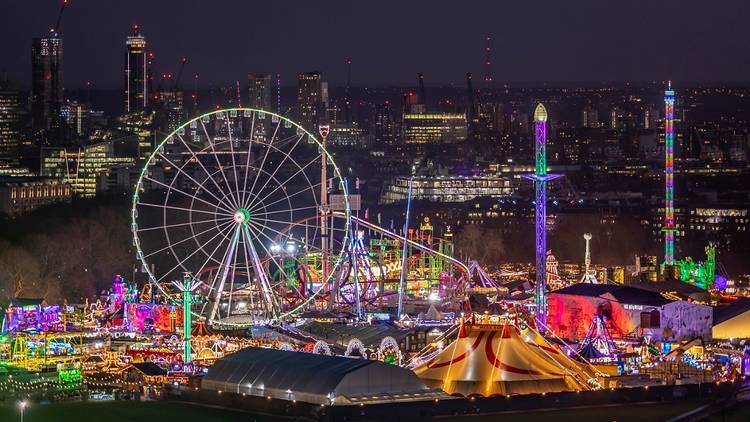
353,250
225,272
265,285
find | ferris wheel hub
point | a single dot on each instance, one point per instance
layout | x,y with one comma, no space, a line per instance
241,216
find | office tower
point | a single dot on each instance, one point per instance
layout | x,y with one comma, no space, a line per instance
46,83
309,100
260,88
614,118
75,116
10,138
589,117
135,72
384,125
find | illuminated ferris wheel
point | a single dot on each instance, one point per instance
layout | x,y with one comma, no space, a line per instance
234,199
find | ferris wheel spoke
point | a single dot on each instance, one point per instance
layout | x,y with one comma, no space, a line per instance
272,176
169,226
247,162
224,271
221,167
262,277
282,273
290,224
226,207
211,256
247,268
268,252
234,163
261,228
309,183
301,169
285,222
200,245
291,210
311,247
231,281
278,166
195,157
172,207
310,187
265,155
182,261
172,188
186,239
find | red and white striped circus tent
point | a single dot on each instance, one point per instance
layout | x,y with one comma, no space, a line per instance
553,351
492,359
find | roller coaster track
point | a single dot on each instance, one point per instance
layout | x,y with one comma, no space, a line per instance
463,267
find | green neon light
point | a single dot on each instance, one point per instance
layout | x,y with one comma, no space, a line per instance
241,216
701,274
69,375
187,323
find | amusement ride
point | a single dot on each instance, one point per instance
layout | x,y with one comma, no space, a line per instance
253,207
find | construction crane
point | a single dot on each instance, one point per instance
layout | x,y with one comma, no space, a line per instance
471,109
64,5
195,92
478,103
348,99
422,96
176,84
150,76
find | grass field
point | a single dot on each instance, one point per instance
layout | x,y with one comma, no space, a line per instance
127,411
632,413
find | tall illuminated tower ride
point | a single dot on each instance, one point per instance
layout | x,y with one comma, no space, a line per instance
540,178
669,226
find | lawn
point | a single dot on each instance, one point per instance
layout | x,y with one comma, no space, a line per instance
126,411
632,413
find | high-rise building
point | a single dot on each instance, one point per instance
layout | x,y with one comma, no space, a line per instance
10,138
589,117
309,100
260,90
385,133
46,83
75,115
172,111
135,72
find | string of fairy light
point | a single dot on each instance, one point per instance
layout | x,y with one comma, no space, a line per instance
38,383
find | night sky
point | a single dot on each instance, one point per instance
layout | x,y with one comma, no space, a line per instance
390,41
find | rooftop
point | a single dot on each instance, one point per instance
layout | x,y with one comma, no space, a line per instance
726,312
623,294
369,335
306,376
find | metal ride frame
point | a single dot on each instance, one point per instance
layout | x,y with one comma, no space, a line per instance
364,288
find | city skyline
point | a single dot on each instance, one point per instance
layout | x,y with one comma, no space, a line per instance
371,211
582,43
